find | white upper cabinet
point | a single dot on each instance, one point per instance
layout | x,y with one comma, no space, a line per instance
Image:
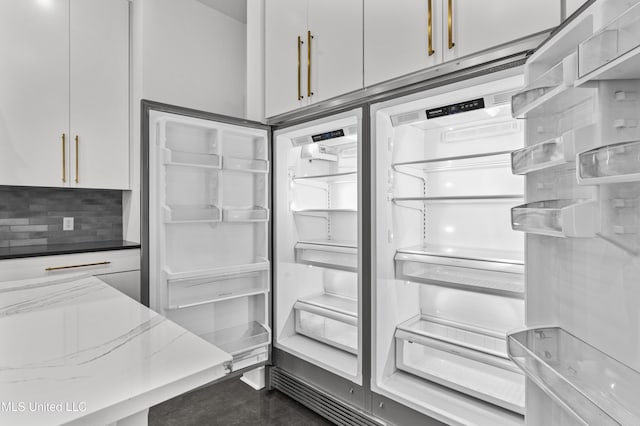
401,37
479,25
34,92
397,36
313,51
64,73
99,106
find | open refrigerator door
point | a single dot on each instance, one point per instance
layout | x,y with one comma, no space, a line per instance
209,268
581,108
449,268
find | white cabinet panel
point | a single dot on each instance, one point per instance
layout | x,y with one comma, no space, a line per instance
34,92
480,25
285,57
336,47
99,93
396,38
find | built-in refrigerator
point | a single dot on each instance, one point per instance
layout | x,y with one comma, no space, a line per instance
254,241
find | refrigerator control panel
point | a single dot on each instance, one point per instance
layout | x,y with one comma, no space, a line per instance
455,108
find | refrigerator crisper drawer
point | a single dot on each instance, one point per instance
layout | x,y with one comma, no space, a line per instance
489,276
445,354
328,254
593,387
247,343
186,290
329,319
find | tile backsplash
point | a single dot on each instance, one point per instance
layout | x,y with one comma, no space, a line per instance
33,215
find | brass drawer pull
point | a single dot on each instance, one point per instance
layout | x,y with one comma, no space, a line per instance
57,268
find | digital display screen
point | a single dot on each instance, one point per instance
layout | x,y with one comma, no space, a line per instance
455,108
328,135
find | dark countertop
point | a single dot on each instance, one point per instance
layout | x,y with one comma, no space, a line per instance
53,249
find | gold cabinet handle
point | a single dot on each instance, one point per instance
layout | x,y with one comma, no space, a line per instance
64,158
430,50
309,37
84,265
299,67
77,160
450,24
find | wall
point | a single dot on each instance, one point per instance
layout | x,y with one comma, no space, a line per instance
33,216
183,53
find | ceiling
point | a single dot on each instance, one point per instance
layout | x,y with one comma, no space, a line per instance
236,9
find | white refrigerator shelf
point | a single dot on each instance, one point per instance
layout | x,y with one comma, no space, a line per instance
245,165
558,218
342,255
261,264
593,387
613,53
614,163
482,270
191,214
549,85
462,162
553,152
191,159
466,358
329,178
249,214
330,319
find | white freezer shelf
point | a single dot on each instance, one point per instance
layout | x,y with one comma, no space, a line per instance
244,165
329,319
558,218
613,52
552,83
191,214
483,340
261,264
614,163
328,254
217,286
252,214
481,270
590,385
321,211
347,177
474,373
191,159
553,152
241,340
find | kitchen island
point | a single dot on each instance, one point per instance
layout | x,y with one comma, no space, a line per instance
76,351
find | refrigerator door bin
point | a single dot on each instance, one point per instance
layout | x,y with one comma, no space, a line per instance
553,152
247,343
244,165
187,135
250,214
613,52
467,359
191,159
615,163
464,175
544,88
590,385
558,218
244,145
485,270
191,214
330,319
201,287
328,254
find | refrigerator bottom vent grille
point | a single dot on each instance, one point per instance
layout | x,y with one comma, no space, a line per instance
318,401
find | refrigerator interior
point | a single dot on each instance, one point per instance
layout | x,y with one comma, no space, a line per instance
449,268
581,351
317,236
208,222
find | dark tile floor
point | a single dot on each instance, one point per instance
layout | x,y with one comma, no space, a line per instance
233,403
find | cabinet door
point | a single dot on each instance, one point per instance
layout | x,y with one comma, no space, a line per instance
396,38
479,25
336,47
285,57
34,92
99,124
